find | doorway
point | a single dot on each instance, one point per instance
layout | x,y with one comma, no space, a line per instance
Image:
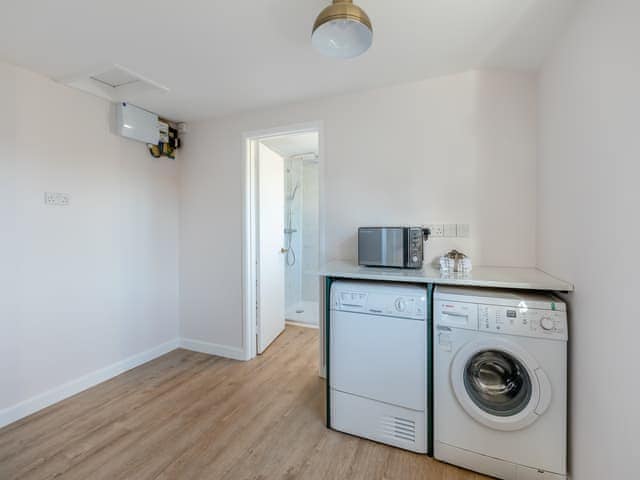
283,233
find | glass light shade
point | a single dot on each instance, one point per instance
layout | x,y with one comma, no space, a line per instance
342,38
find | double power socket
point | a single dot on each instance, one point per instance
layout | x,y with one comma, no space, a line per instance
449,230
56,199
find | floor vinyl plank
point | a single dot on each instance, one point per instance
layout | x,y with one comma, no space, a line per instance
188,415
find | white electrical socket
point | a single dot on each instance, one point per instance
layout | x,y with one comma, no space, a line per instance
463,230
56,199
49,198
437,230
450,230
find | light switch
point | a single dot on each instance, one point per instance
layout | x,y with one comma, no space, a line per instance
450,230
463,230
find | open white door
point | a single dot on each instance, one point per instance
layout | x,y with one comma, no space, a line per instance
270,309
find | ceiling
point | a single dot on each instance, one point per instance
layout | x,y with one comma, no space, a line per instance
294,144
221,57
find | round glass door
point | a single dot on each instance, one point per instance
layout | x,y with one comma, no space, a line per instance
497,383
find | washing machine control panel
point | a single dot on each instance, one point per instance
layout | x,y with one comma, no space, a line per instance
523,321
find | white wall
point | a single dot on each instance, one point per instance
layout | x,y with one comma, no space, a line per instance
457,149
588,228
310,219
85,286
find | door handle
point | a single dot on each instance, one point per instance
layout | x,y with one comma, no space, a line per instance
284,250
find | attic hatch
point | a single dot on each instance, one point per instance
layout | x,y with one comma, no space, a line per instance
115,77
115,83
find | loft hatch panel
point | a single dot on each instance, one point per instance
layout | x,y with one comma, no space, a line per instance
115,83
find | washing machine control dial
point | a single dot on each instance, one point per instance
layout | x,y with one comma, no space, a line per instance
546,323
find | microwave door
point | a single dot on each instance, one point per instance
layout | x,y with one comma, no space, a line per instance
382,247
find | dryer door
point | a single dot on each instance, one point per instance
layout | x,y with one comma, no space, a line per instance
499,384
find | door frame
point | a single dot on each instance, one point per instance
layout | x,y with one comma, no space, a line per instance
250,222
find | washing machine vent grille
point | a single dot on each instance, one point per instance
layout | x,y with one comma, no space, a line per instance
399,428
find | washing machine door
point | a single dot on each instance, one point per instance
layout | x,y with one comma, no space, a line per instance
499,384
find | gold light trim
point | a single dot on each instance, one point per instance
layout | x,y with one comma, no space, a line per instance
342,10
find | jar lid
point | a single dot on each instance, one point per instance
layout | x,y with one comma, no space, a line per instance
456,255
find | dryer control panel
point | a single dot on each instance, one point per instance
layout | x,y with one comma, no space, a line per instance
380,299
523,321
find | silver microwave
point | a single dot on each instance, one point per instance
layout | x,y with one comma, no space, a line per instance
399,247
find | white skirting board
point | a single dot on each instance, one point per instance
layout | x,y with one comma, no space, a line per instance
57,394
302,325
43,400
226,351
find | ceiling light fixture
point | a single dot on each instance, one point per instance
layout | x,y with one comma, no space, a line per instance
342,30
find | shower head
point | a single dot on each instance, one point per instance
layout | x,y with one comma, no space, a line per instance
292,195
306,157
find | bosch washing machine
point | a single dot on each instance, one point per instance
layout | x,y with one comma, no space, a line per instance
500,382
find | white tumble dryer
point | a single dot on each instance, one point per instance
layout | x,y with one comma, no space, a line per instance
500,382
378,354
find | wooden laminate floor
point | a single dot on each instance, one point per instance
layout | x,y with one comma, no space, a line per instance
188,415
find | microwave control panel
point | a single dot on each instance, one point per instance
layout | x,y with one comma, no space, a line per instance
414,250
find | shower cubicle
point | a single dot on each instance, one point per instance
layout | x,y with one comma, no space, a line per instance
301,238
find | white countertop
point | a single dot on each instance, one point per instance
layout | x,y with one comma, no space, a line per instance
496,277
